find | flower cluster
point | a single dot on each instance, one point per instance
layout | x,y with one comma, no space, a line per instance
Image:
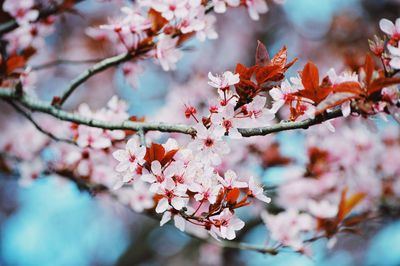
393,32
161,27
28,34
185,184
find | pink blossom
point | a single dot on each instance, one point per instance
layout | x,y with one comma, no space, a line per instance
230,180
322,209
92,137
179,221
220,5
227,121
395,54
167,53
281,95
209,144
208,32
225,225
255,190
170,9
206,190
256,7
258,114
21,10
130,157
223,81
390,28
173,195
289,227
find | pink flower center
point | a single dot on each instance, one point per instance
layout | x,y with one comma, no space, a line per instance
132,158
209,142
227,124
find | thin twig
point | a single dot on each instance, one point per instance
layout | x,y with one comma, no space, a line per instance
37,126
58,62
43,107
142,137
99,67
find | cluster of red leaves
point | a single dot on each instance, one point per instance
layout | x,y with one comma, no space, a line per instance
263,76
156,152
342,222
324,95
12,66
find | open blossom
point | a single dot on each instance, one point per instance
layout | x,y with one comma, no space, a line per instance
170,9
390,28
223,81
256,7
281,95
167,53
225,225
92,137
322,209
230,180
137,196
21,10
289,227
227,121
256,190
179,221
220,5
194,21
130,157
206,190
209,29
257,113
135,21
209,144
172,195
395,54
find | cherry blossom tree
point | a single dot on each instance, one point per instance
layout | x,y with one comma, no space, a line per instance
194,163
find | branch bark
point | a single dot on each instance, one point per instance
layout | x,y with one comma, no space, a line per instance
37,126
99,67
38,106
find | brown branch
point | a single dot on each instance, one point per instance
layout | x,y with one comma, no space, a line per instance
43,107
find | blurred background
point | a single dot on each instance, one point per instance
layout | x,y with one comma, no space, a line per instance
52,222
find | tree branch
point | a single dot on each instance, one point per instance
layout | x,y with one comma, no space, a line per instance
38,127
43,107
66,62
99,67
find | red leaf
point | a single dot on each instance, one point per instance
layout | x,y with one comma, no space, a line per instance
310,77
369,67
156,152
168,157
350,86
262,56
14,62
380,83
157,20
280,58
232,196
